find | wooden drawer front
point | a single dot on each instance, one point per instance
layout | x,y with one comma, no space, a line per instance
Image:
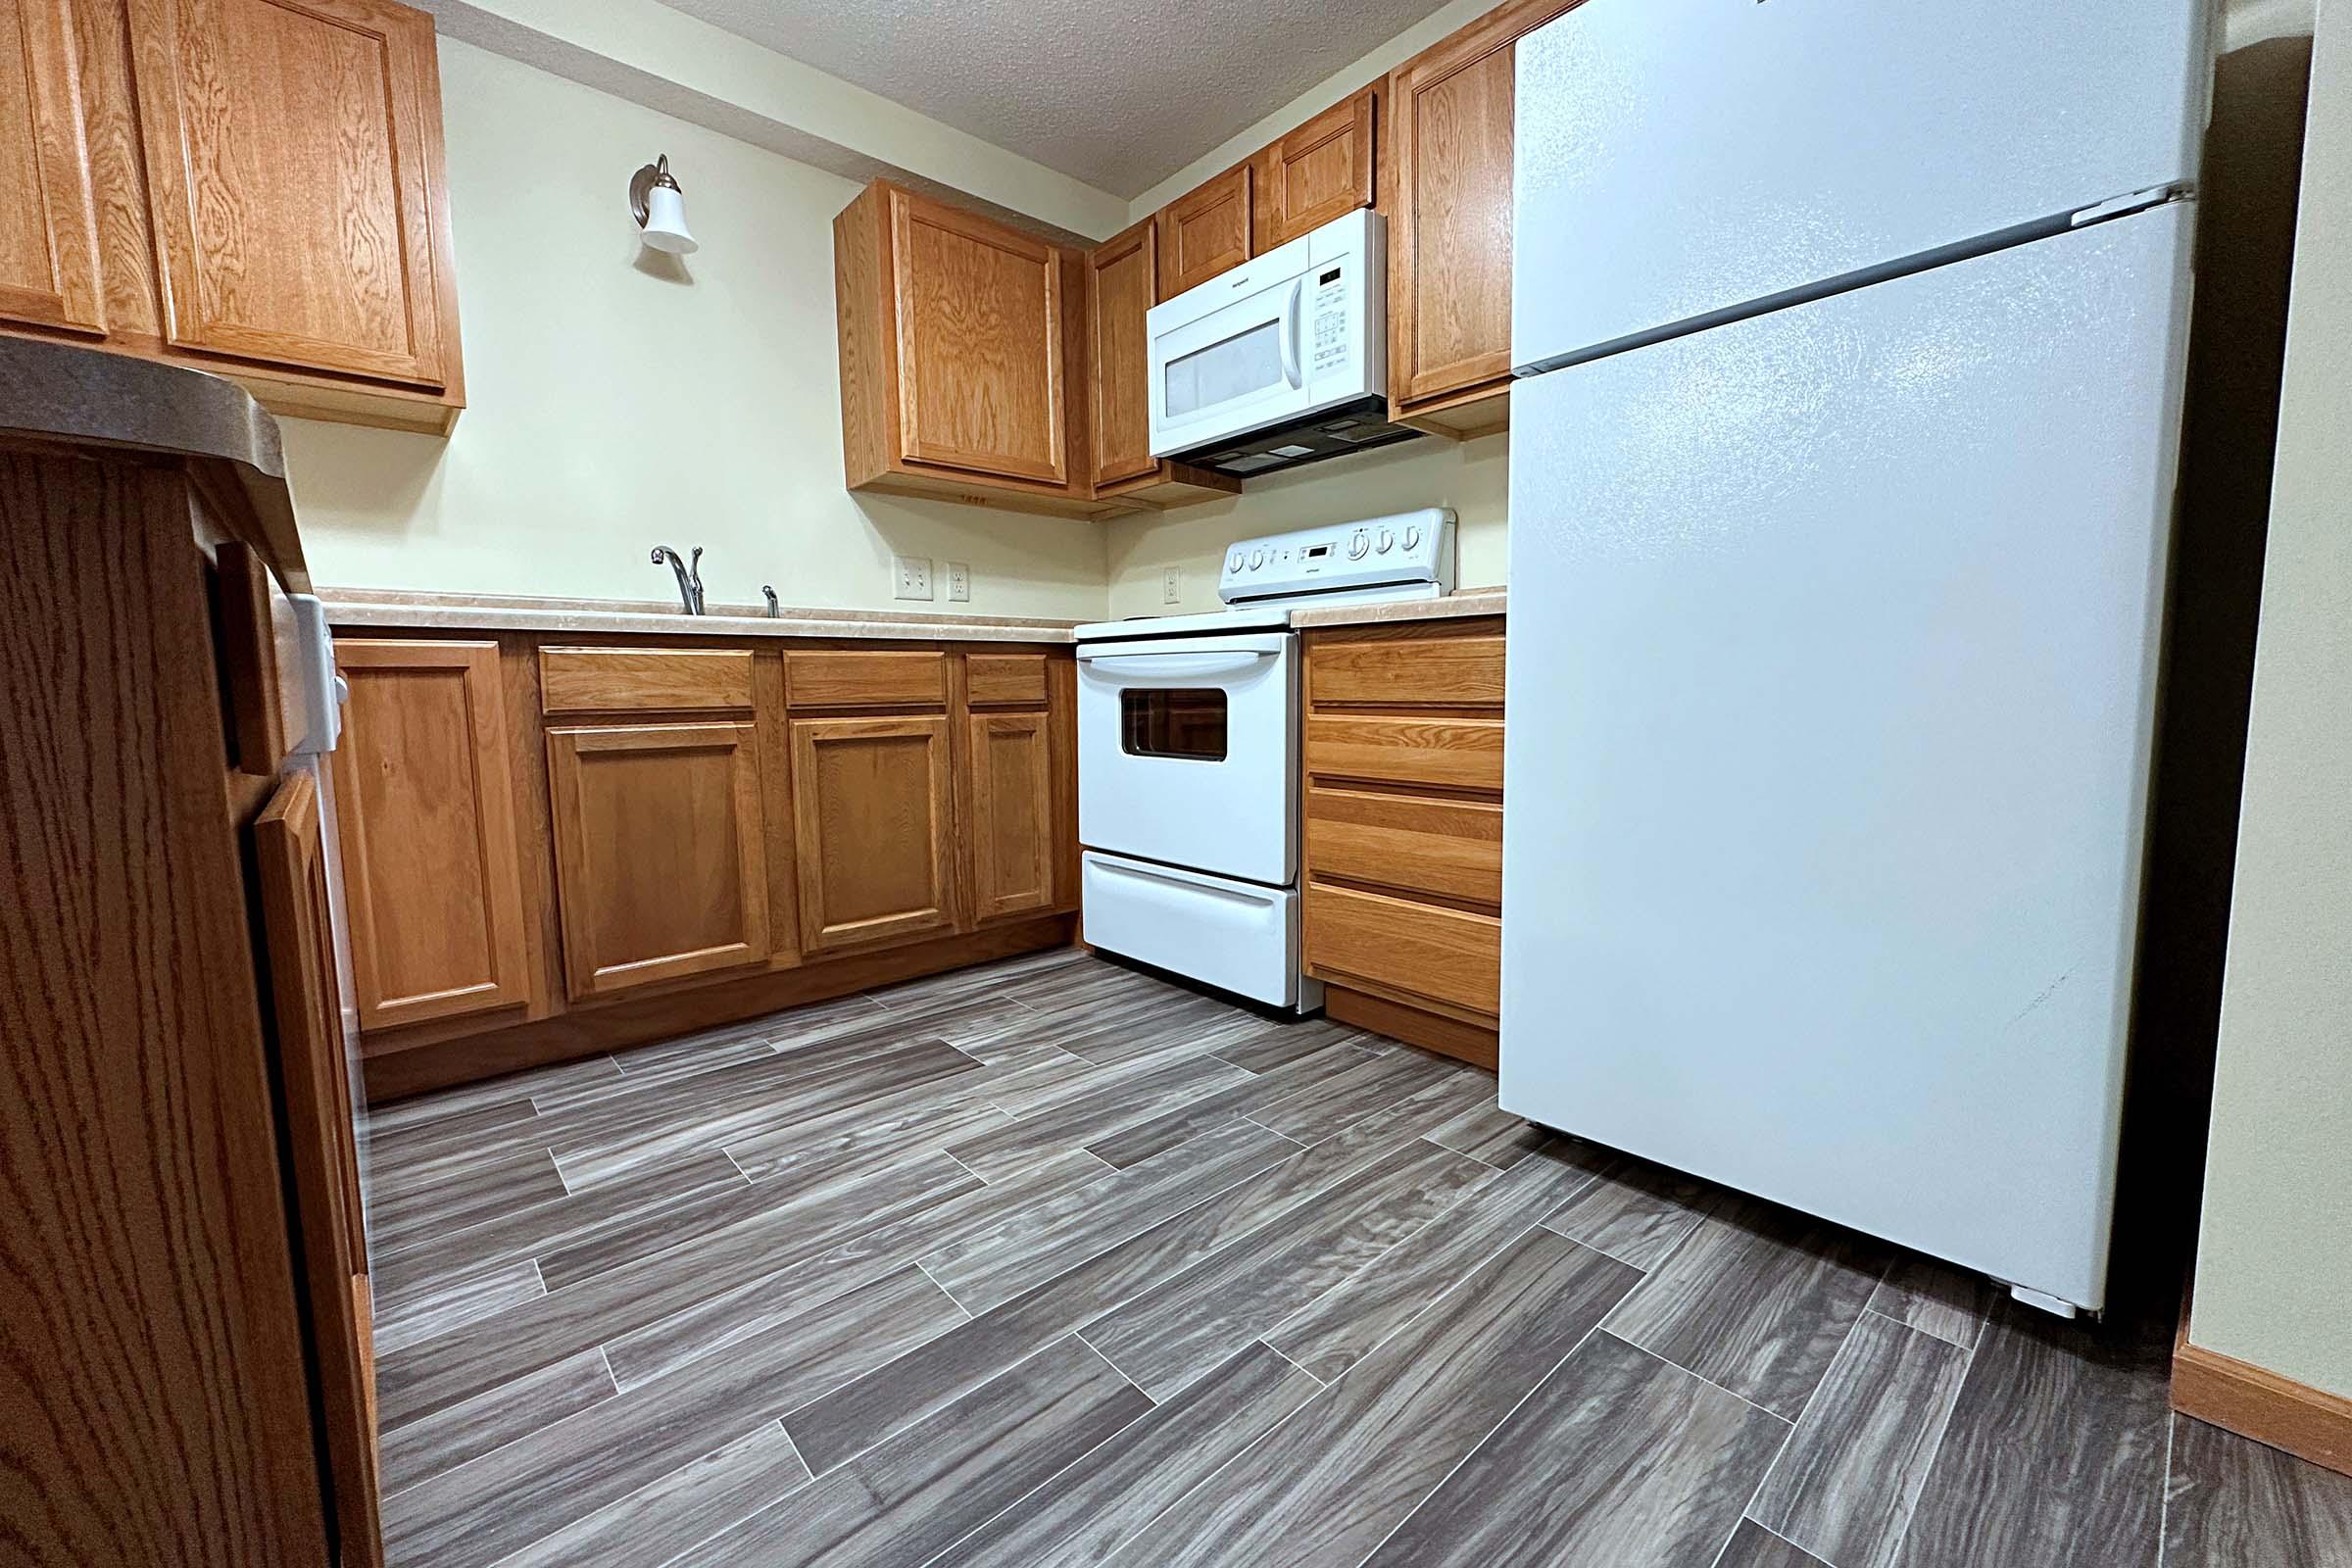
1435,671
605,680
1449,956
896,678
1006,680
1450,848
1448,752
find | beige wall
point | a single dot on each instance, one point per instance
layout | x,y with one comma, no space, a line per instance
616,404
2273,1281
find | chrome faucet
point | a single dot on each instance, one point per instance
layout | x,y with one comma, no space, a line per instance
774,612
690,579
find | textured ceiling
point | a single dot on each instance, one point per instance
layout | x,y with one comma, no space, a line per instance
1117,93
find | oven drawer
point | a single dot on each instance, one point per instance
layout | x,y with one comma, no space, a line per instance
1448,958
1234,934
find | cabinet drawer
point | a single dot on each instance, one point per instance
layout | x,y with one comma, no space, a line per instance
892,678
606,680
1434,671
1450,848
1006,680
1448,752
1447,956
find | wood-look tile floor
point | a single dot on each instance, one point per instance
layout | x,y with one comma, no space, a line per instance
1056,1263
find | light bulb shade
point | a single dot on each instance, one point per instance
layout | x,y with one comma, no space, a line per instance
665,222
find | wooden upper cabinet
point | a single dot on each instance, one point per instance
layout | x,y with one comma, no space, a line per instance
979,329
424,804
1123,273
1204,231
660,852
873,824
294,168
1009,813
1322,170
48,216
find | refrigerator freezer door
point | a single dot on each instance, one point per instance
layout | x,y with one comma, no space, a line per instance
1677,160
1834,646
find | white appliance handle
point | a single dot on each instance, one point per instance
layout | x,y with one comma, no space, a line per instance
1290,334
1216,886
1173,665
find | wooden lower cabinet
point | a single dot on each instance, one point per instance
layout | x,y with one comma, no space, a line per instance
1404,829
873,815
1008,815
661,857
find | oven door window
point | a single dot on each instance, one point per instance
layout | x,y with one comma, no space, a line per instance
1186,722
1225,372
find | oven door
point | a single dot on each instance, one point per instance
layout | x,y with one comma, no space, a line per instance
1188,751
1225,356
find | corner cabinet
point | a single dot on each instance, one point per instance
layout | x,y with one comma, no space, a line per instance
1122,280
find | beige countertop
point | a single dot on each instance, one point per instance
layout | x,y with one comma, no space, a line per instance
361,607
1447,606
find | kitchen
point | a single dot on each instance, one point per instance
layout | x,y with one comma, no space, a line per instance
1002,1039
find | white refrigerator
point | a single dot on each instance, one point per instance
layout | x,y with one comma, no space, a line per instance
1841,487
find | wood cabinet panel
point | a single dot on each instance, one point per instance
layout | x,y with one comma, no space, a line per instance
1458,753
602,680
660,852
1436,671
293,159
860,678
49,270
873,821
979,341
1204,231
1004,680
1124,274
1321,170
314,1080
1446,956
1010,814
426,808
1415,844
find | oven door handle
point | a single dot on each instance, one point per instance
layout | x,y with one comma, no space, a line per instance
1172,665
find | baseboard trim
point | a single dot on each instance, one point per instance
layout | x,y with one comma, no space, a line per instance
2255,1403
1415,1026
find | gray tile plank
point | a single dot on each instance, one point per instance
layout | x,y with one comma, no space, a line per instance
385,1116
852,1419
1331,1333
449,1438
670,1061
423,1308
536,1485
1329,1484
875,1133
1632,1210
653,1524
1317,1113
1112,1492
2235,1502
1016,977
481,1192
1758,1300
1845,1486
917,1493
1185,1326
1493,1134
1192,1117
480,1355
1123,1101
1617,1457
1278,1043
1753,1546
403,1160
2057,1439
821,1021
1026,1074
1935,1299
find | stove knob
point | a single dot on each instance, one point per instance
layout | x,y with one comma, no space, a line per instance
1234,565
1387,542
1412,536
1257,558
1359,544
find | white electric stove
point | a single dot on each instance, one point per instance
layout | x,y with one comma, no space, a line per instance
1187,753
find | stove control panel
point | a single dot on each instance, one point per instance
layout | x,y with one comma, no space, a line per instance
1407,554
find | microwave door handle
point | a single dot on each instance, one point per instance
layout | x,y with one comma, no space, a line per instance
1290,334
1171,665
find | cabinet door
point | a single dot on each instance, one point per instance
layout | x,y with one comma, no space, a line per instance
660,852
424,792
1122,273
979,328
872,818
1319,172
48,218
1449,236
1204,231
290,858
293,152
1011,814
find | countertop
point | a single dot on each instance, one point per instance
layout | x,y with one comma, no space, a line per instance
1447,606
360,607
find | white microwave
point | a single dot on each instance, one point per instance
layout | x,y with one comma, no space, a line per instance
1281,361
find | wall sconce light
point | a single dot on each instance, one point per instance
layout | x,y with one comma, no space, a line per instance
660,208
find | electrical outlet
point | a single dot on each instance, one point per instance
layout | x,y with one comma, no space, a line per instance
913,577
959,581
1171,585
